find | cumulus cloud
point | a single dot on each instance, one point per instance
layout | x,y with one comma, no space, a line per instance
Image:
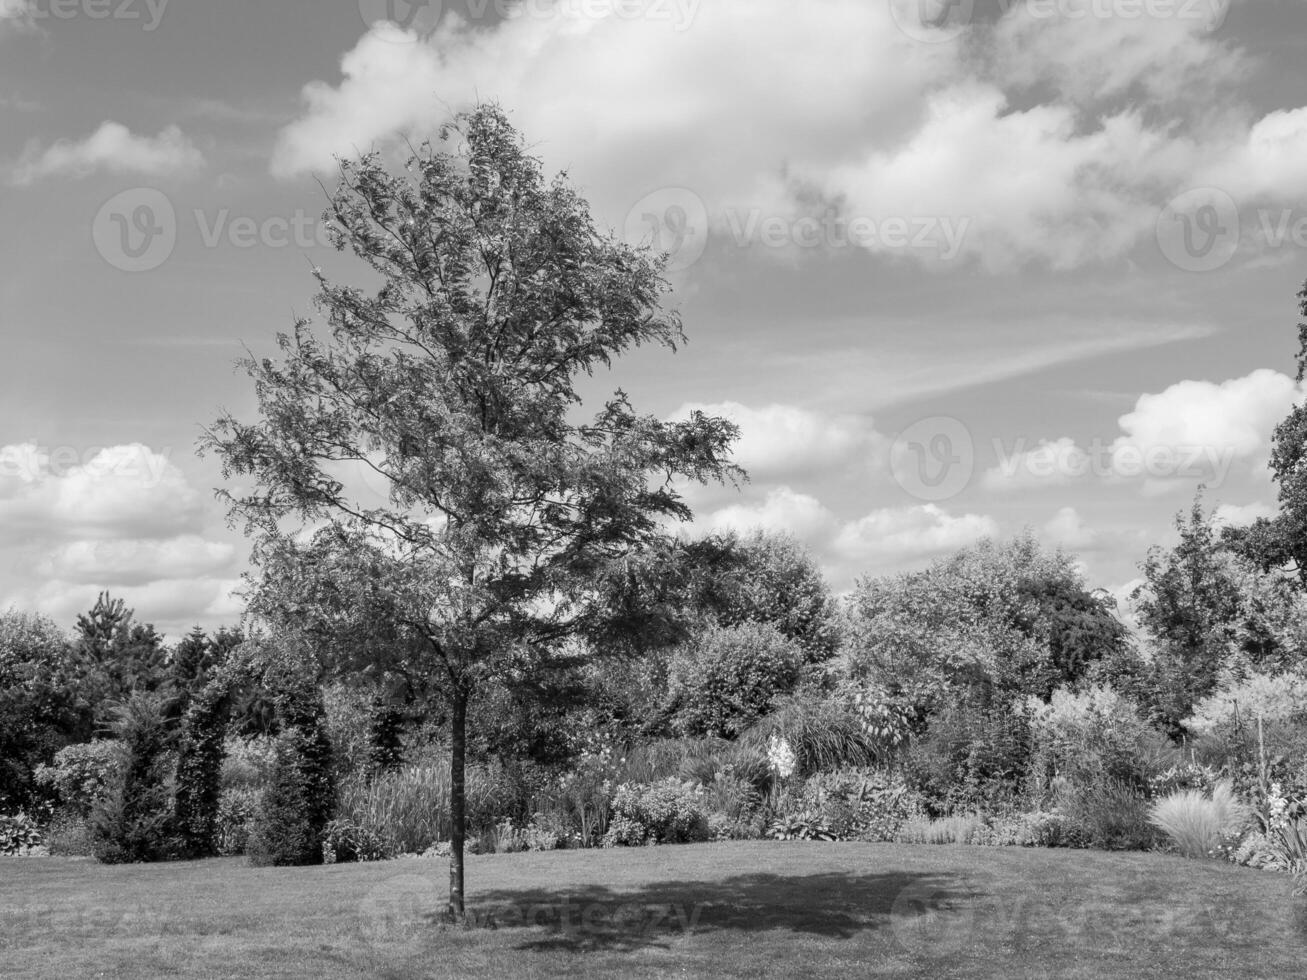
1190,431
130,561
896,533
118,491
1022,143
112,148
782,510
1066,529
781,440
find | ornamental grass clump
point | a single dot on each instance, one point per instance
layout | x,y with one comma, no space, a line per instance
1198,825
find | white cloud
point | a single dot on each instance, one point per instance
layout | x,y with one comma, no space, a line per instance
112,148
1051,463
896,533
1191,431
782,440
1226,421
1066,529
1241,515
782,510
127,491
137,562
892,129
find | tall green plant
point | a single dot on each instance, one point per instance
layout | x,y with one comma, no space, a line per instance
135,822
454,386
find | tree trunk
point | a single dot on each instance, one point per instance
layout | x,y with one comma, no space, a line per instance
457,802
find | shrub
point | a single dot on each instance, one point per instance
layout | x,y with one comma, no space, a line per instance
541,835
19,834
1013,830
1199,825
199,767
824,734
300,797
1111,816
973,756
856,804
410,805
236,810
1093,737
666,812
960,829
344,840
134,822
82,775
1270,697
247,761
69,835
729,677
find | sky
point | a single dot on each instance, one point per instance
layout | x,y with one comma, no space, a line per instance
957,268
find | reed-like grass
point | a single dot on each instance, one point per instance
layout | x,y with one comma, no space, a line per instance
1196,823
959,829
824,735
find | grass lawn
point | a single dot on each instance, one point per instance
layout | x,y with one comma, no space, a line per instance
749,909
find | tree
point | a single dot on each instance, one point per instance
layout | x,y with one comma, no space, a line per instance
778,582
453,385
730,676
1009,618
193,661
39,708
1281,541
1189,605
116,655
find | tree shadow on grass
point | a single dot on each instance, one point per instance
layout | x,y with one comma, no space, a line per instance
829,905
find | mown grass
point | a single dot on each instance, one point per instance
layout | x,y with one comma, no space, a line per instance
745,909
